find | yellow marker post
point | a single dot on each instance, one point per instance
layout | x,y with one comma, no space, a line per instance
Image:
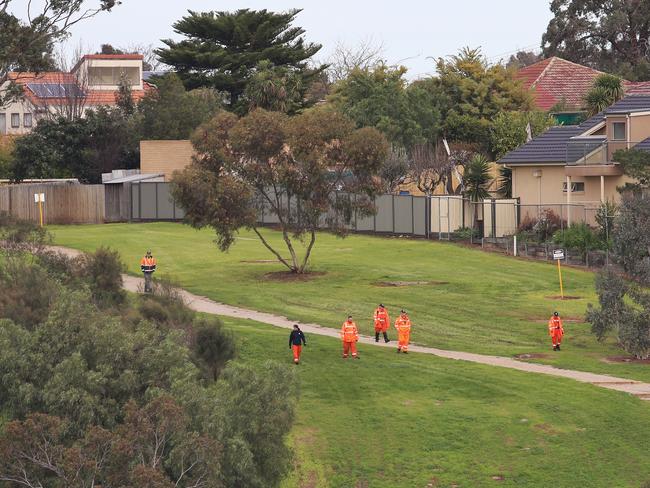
558,255
40,198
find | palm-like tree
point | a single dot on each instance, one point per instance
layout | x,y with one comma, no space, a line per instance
607,90
477,180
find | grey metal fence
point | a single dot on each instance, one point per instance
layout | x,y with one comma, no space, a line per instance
396,214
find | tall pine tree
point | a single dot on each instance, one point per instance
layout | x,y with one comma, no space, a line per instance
221,50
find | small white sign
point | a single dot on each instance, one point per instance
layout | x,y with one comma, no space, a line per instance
35,197
558,254
39,197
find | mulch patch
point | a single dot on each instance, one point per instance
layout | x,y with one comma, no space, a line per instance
531,355
288,276
565,297
626,359
254,261
408,283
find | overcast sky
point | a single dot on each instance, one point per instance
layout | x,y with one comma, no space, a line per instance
410,30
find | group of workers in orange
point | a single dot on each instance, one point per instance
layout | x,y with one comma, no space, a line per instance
350,331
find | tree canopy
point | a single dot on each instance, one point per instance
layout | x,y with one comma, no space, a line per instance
380,97
222,50
611,36
288,167
474,93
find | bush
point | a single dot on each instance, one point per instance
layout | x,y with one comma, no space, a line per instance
213,346
165,306
625,310
631,236
580,237
102,270
26,293
19,236
465,234
540,229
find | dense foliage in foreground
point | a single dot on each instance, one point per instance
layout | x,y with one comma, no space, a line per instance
102,389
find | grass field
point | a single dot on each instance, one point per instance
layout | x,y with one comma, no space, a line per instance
472,300
389,421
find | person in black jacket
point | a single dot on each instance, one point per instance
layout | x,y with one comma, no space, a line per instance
296,341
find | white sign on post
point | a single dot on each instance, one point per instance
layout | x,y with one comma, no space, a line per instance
39,197
558,254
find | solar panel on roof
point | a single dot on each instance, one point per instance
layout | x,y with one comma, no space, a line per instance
55,90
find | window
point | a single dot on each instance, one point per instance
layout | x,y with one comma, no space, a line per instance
27,120
576,187
111,75
619,131
15,121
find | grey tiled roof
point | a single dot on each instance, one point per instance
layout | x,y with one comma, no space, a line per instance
551,146
632,103
643,145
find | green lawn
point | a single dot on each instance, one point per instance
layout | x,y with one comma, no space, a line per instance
482,302
421,421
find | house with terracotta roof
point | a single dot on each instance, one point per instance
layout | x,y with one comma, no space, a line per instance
92,82
573,167
556,82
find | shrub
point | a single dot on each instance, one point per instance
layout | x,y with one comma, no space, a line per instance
213,346
26,293
465,234
102,270
631,236
165,306
540,229
580,237
625,310
19,236
605,216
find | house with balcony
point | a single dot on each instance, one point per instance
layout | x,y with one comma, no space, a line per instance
572,167
92,82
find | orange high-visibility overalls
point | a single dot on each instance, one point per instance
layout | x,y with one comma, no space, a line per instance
349,336
555,330
382,321
403,326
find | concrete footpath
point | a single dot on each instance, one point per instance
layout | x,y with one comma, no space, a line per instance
205,305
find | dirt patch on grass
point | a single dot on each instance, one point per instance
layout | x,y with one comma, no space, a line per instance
288,276
259,261
385,284
310,482
408,403
565,297
546,428
531,355
625,359
498,477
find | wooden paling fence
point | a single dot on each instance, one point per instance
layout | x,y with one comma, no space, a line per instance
64,203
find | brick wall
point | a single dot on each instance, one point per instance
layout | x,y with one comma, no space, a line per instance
165,156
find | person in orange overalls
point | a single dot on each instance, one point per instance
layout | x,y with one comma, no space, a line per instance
296,341
555,330
382,322
403,326
349,336
148,267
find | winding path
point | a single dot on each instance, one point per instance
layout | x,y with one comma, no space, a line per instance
205,305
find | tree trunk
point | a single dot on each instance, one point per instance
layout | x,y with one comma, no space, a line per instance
312,240
275,253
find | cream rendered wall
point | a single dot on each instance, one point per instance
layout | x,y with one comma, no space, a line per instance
639,128
18,107
526,186
82,72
